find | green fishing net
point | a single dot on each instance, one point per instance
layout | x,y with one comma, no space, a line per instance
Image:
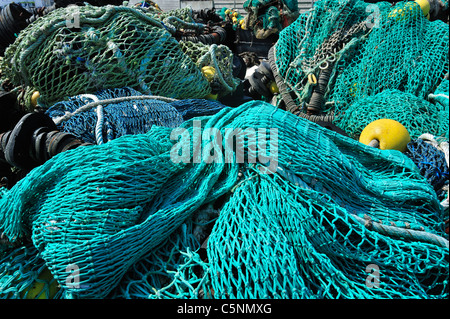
356,61
306,213
112,47
220,58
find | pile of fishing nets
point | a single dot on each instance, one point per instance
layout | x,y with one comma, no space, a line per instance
288,209
83,49
351,62
182,197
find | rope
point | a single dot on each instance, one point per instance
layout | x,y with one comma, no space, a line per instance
399,232
100,118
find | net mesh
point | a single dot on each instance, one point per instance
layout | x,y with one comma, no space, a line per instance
416,114
351,59
111,47
127,214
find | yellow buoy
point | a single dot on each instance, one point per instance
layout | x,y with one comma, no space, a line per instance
390,134
208,72
409,10
242,24
44,284
273,87
211,97
424,5
34,97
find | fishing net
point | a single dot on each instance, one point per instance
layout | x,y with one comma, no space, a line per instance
431,156
416,114
220,57
344,55
112,47
266,17
307,219
23,274
126,112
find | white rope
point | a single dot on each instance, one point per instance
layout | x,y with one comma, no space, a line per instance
100,118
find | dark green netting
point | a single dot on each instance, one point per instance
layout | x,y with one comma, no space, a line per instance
305,220
266,17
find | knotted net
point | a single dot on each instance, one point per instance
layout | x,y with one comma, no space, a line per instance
84,49
346,60
312,226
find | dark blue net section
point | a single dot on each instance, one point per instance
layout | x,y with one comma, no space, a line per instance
124,117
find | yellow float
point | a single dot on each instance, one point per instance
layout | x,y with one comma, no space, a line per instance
211,96
209,72
273,87
424,5
45,283
386,134
34,98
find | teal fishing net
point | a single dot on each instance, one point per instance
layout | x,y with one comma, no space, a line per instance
308,219
416,114
353,61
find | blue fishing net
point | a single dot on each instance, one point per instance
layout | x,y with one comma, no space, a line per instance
120,117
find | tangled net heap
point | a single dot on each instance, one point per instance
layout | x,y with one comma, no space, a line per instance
127,215
345,60
113,47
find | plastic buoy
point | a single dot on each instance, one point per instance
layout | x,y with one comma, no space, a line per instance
45,287
208,72
211,97
386,134
424,5
242,24
34,98
273,87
